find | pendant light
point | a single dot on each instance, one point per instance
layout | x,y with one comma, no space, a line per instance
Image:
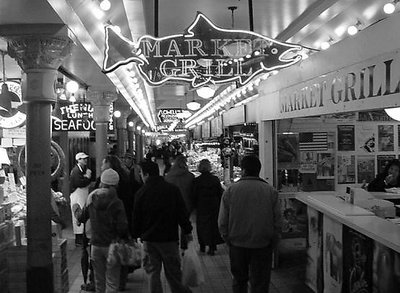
6,97
193,105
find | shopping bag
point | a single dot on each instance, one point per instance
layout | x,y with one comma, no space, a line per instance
126,253
192,273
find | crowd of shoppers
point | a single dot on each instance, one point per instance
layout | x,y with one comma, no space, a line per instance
140,203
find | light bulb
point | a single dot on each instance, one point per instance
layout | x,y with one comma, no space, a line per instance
105,5
389,8
130,123
325,45
138,128
117,114
352,30
72,86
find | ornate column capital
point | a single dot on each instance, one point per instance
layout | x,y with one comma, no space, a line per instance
97,98
101,102
37,46
39,50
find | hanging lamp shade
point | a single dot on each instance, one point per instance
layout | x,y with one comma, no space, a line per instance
393,113
193,106
6,96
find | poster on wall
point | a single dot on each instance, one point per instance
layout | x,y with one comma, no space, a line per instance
346,137
365,168
398,137
385,138
386,269
308,162
346,169
357,262
294,218
332,255
288,148
325,166
314,276
366,135
382,161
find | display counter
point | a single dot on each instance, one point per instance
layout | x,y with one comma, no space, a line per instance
349,248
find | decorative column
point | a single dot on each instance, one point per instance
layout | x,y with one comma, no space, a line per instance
101,115
39,49
139,143
122,134
131,137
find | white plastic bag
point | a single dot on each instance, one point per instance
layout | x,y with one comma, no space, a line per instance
192,273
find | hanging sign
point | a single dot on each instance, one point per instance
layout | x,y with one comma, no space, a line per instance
75,117
203,54
10,116
169,115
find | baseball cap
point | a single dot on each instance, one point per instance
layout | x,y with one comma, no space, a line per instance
81,155
109,177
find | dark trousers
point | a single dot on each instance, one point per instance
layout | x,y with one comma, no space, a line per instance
252,264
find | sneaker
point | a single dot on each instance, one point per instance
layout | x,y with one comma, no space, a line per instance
89,287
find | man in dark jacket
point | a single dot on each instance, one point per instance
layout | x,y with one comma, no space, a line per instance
108,222
158,211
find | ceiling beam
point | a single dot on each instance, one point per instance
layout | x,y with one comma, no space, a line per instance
311,13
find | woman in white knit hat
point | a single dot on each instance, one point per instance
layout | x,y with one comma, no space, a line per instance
108,222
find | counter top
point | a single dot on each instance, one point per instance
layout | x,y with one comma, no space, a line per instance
354,217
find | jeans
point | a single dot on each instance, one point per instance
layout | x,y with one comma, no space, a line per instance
157,254
251,263
106,276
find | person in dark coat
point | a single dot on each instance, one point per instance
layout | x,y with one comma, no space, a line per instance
158,212
126,195
389,178
207,192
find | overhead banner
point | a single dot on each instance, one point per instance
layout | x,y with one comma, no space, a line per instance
203,54
169,115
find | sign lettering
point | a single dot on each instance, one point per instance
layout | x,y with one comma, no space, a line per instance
203,54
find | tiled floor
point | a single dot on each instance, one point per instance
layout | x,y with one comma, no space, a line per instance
287,278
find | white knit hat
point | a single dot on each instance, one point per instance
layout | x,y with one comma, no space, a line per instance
109,177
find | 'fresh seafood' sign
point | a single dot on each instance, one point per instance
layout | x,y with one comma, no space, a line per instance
203,54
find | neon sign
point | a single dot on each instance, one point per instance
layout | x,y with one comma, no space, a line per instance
203,54
75,117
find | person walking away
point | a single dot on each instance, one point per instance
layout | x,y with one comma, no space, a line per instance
80,177
207,191
109,223
249,221
158,211
126,195
180,176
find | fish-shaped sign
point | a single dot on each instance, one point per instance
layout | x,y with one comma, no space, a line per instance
203,54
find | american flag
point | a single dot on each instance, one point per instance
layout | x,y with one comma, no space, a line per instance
313,141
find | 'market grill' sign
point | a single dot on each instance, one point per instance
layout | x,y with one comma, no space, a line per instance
203,54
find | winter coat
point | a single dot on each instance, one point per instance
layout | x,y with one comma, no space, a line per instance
207,193
107,216
158,211
184,180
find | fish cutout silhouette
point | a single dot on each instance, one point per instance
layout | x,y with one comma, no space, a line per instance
203,54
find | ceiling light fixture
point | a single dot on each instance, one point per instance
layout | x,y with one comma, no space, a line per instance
193,106
393,113
390,7
353,29
117,114
105,5
72,86
206,92
325,45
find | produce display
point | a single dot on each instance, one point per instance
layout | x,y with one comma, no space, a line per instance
212,154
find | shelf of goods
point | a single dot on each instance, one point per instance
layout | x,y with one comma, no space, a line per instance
212,154
13,254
